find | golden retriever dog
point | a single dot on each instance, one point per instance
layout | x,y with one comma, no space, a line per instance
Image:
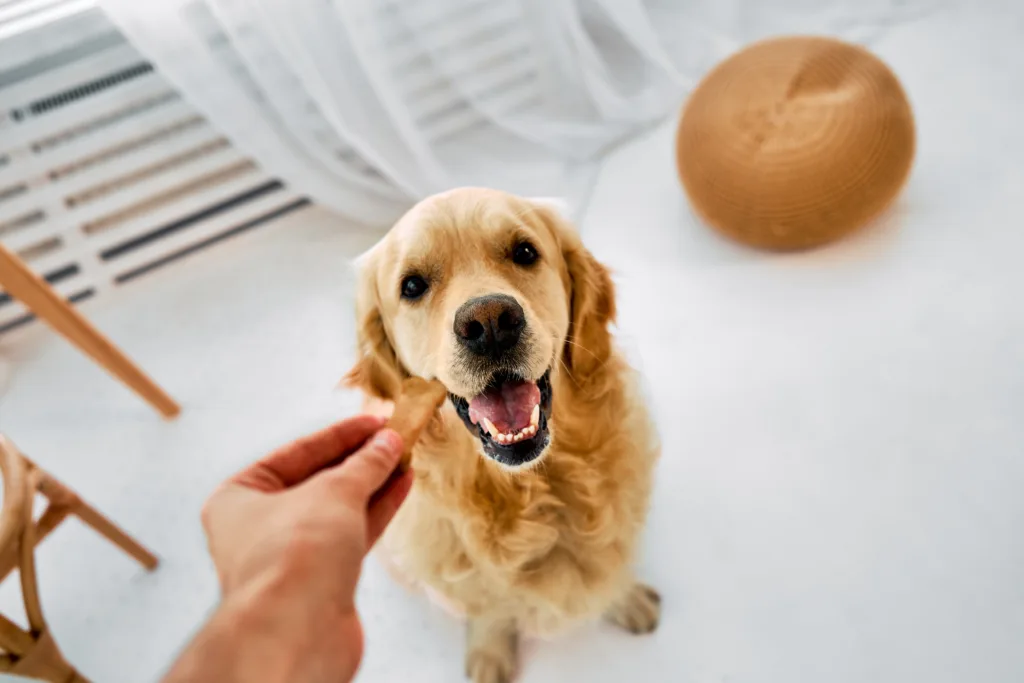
533,482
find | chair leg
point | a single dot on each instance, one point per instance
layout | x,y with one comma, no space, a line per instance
64,499
115,534
45,662
33,291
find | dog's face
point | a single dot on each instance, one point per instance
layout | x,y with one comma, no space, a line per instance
481,290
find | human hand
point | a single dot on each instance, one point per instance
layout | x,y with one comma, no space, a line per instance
288,536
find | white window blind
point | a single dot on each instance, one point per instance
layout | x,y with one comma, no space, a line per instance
105,172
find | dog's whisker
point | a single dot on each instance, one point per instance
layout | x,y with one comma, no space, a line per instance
580,347
568,372
568,340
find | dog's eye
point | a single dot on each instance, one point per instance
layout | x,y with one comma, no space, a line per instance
413,287
525,254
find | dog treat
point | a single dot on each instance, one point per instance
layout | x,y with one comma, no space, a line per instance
416,403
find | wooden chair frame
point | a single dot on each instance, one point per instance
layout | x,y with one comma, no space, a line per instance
21,283
34,653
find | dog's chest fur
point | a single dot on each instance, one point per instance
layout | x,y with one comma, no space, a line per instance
550,546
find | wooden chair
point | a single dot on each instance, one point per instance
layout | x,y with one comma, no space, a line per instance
24,285
33,653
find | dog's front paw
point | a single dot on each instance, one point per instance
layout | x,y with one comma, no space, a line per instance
492,652
486,667
638,611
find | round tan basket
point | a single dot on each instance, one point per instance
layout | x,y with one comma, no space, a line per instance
795,142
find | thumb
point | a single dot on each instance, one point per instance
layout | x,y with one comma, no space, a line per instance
367,470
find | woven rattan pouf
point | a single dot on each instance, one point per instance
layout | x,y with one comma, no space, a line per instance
795,142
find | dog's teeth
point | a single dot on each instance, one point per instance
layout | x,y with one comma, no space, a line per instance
511,437
535,416
491,429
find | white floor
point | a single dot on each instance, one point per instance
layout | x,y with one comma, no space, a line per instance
840,499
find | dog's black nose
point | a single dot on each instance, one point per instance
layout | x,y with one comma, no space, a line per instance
490,325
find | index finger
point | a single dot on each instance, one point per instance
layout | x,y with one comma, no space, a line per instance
299,460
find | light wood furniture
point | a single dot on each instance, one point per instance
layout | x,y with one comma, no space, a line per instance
24,285
33,653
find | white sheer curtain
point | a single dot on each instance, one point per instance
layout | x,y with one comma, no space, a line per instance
368,105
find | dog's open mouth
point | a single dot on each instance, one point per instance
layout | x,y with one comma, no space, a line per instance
510,417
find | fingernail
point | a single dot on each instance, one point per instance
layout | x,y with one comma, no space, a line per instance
388,440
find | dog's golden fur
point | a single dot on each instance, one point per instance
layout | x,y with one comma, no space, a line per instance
544,547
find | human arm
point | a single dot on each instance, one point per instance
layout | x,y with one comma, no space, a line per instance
288,537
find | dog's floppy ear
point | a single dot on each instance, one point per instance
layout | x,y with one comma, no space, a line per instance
591,300
377,372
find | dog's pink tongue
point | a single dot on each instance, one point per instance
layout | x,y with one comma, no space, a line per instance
509,407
